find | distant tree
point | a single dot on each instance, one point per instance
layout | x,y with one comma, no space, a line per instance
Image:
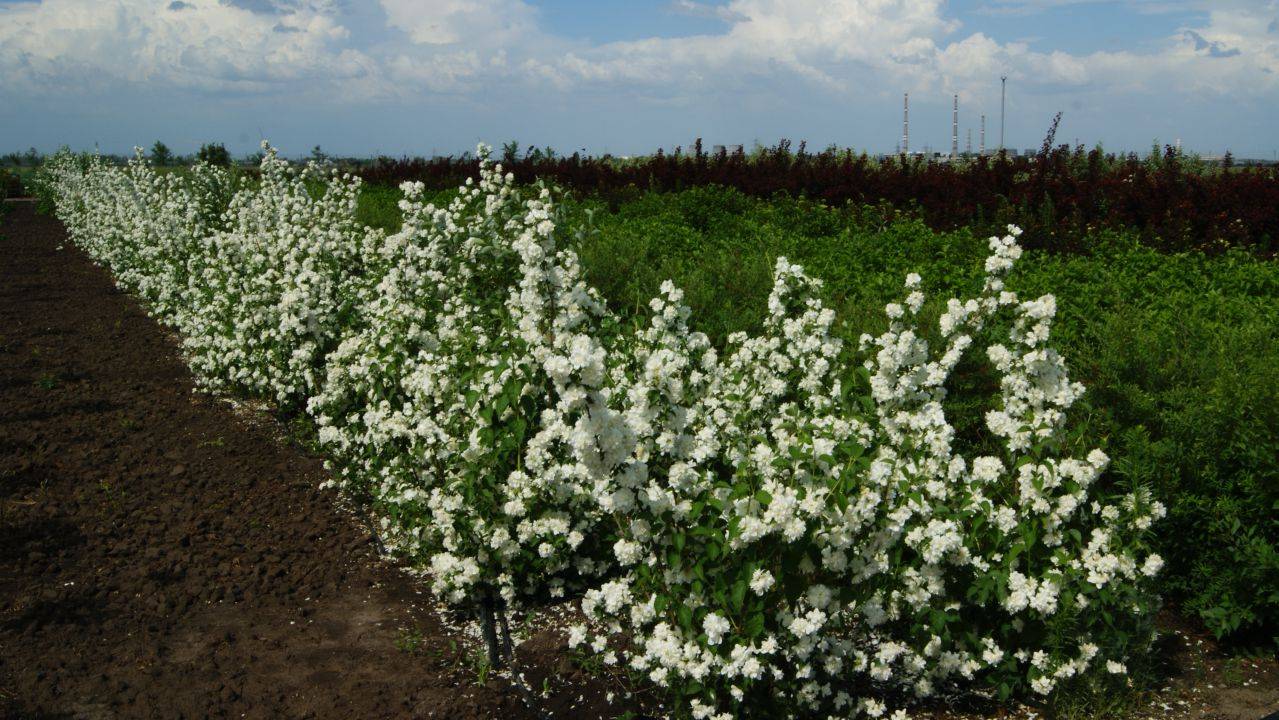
33,157
161,155
510,152
214,154
538,155
318,154
254,158
1049,139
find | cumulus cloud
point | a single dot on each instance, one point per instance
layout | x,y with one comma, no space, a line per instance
452,22
838,48
853,46
705,10
59,46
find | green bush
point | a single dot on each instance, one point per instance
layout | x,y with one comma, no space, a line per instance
1184,351
214,154
10,184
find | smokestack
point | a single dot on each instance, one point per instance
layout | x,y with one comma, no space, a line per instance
906,124
1003,87
968,145
954,130
982,150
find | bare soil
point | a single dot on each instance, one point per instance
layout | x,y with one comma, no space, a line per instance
163,555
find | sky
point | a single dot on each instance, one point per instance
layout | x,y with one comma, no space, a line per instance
420,77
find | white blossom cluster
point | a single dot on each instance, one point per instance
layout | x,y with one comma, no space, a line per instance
782,528
810,541
259,288
471,399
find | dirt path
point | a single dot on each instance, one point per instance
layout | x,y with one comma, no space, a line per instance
163,556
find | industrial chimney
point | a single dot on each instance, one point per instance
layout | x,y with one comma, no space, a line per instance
954,130
982,151
906,124
1003,96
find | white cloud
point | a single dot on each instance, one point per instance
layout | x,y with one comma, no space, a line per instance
693,8
852,46
833,45
59,46
452,22
1034,7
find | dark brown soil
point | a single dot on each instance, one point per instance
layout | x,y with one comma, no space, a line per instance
164,555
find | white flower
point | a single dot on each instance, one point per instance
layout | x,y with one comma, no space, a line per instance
627,552
1152,566
715,626
761,581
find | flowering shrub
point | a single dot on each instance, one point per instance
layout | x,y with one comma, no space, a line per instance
810,539
269,294
784,527
140,224
471,403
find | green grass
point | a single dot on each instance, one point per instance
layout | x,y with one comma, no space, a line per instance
379,205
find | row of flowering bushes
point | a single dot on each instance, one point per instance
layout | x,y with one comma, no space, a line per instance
780,526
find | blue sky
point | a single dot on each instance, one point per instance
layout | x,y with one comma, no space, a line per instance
628,76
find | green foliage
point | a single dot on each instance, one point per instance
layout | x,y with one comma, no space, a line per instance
379,205
161,155
214,154
1185,352
10,185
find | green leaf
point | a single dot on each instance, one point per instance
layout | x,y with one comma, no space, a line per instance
739,594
